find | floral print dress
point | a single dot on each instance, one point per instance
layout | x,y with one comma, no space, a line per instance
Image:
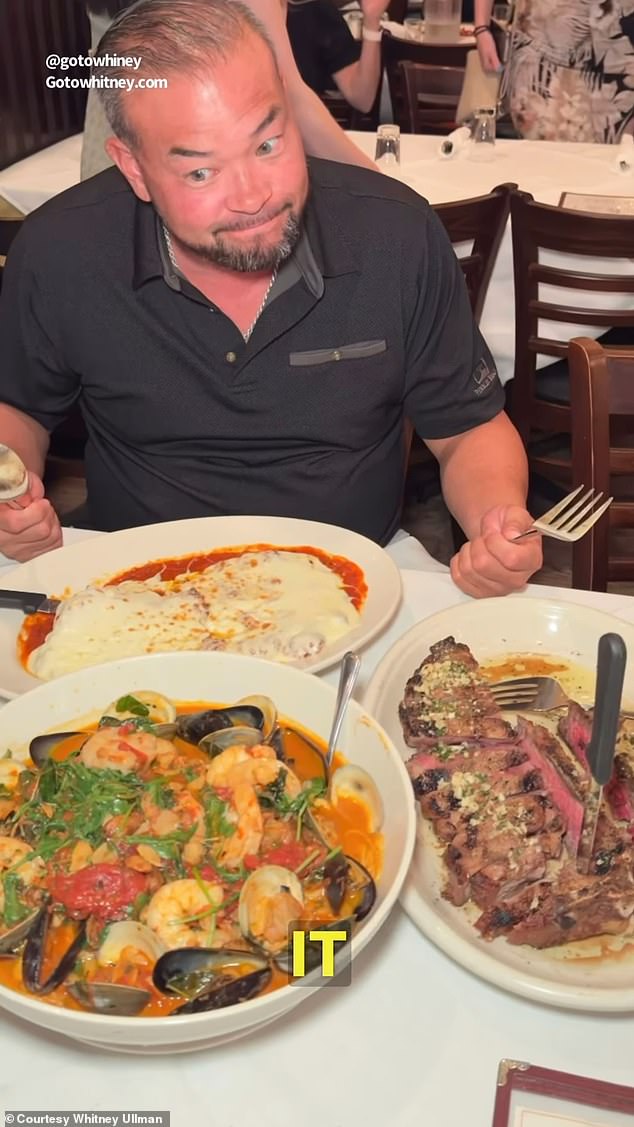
571,70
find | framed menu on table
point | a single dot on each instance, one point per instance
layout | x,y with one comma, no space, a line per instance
529,1096
600,205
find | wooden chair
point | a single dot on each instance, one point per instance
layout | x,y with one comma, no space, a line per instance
539,401
350,118
432,94
479,224
396,50
602,412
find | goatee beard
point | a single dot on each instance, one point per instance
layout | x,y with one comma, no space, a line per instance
246,260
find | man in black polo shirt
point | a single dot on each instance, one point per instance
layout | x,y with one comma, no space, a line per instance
245,334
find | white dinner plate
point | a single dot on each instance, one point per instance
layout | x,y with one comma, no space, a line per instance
72,568
600,981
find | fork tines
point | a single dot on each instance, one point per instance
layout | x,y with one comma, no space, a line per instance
523,691
571,512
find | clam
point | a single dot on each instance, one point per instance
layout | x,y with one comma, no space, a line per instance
271,900
34,950
129,933
210,980
10,940
216,742
351,780
110,998
155,708
267,710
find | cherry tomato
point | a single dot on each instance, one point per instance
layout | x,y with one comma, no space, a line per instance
102,890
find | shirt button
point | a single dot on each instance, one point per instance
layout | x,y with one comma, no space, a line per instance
336,354
231,358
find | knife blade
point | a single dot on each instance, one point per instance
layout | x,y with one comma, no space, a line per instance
29,602
611,660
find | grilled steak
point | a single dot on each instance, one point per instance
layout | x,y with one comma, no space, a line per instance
447,698
503,803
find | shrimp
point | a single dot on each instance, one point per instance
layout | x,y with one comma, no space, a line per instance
121,749
13,854
241,770
170,911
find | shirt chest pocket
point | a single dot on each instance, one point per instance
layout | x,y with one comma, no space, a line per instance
362,350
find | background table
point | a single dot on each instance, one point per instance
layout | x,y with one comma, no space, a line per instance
414,1041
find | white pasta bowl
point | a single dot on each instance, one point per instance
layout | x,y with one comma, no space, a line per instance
299,697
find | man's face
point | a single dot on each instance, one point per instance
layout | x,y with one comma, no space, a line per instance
222,160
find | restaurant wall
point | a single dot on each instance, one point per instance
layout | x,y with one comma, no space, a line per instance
31,115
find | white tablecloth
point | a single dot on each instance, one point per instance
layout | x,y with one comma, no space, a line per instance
414,1041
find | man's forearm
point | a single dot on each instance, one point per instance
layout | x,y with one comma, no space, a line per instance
24,435
321,135
480,469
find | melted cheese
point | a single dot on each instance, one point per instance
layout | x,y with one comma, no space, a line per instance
285,606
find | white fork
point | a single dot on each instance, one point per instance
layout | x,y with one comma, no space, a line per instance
565,521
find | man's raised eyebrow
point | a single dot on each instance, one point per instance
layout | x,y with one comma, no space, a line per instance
274,112
179,151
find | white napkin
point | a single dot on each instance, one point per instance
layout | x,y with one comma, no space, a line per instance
624,157
453,142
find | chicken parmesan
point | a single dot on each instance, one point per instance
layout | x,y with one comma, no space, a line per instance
284,604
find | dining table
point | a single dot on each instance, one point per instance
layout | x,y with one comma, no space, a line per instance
413,1040
546,169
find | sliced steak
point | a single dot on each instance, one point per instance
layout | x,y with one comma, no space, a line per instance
448,699
575,729
564,782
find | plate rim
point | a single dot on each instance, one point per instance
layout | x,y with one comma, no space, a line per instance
432,926
389,588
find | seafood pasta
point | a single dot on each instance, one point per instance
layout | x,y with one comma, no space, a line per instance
155,861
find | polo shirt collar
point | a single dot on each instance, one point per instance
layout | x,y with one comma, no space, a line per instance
322,251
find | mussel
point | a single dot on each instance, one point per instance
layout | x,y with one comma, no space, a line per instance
34,950
313,949
41,747
110,998
246,723
271,899
346,880
289,744
210,980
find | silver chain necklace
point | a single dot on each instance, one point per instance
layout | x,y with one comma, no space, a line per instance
247,334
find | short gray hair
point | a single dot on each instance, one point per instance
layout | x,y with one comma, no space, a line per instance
172,37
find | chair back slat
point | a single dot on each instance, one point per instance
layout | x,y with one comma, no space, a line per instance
432,94
537,228
480,221
602,393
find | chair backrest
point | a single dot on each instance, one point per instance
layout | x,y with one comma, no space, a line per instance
480,222
602,417
432,94
538,228
395,50
397,10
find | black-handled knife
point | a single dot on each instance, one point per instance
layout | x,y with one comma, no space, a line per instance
611,661
29,602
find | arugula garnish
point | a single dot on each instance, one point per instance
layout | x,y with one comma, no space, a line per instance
161,794
274,796
131,704
168,845
14,909
217,823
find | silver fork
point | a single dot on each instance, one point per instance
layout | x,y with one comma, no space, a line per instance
565,521
535,694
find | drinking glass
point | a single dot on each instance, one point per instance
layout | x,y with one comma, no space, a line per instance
388,144
482,146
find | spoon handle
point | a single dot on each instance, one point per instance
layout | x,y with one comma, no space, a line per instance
350,667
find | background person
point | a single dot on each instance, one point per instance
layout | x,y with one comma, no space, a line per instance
571,69
328,55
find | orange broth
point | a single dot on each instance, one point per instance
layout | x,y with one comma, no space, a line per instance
350,821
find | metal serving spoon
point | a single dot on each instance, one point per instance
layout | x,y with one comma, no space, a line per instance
350,667
14,476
